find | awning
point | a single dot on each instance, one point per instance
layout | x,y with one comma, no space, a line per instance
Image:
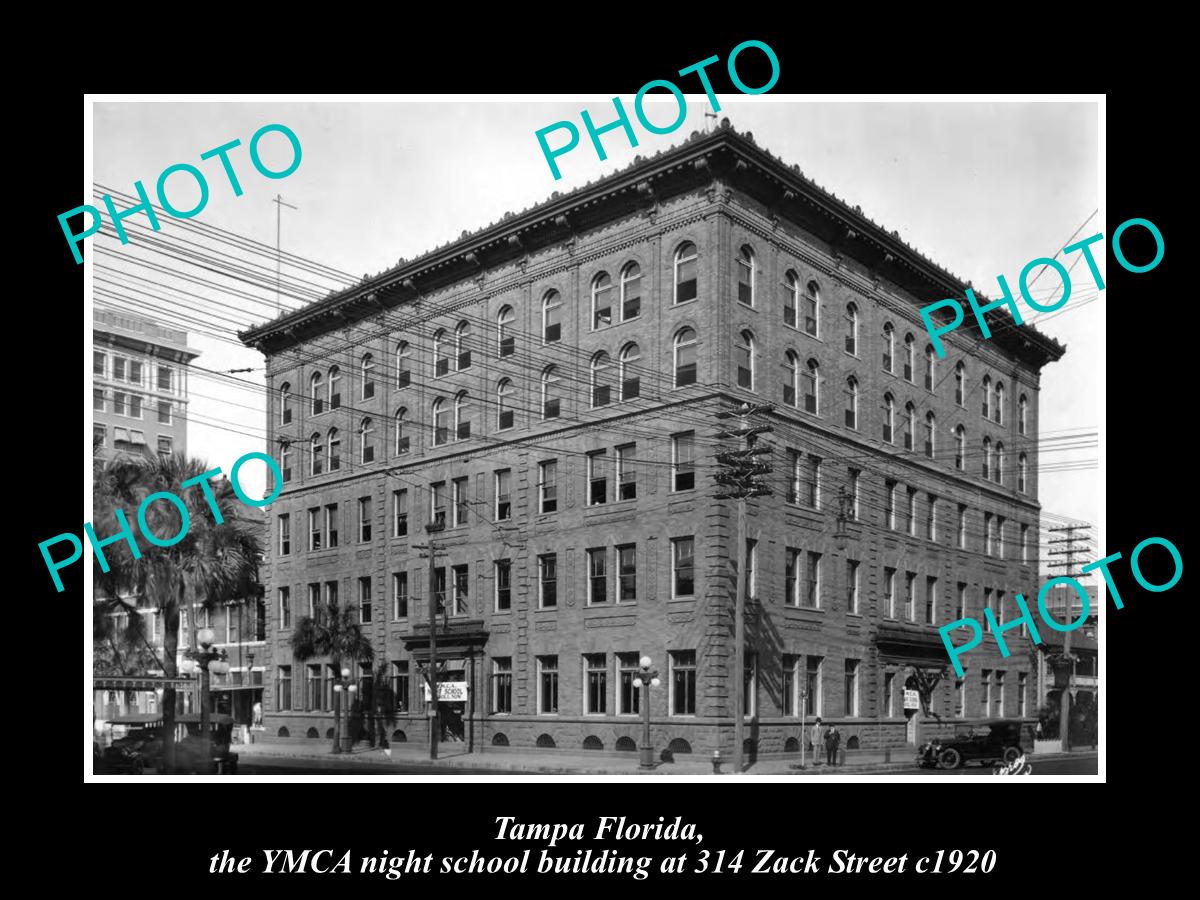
464,637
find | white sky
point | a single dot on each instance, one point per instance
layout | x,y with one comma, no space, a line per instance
980,188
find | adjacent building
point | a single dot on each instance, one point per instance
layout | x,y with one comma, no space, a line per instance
544,392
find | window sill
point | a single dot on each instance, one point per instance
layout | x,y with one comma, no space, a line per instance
546,609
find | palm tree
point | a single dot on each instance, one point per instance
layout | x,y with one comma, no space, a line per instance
333,633
209,564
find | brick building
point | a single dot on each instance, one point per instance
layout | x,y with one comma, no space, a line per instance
140,385
547,387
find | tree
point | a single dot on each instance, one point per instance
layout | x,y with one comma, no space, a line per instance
333,633
213,561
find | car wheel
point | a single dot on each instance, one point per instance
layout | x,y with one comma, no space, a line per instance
1010,755
950,758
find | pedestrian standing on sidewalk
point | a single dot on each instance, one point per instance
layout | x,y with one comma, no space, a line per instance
833,738
818,738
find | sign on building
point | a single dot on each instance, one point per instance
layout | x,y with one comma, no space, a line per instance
911,699
448,691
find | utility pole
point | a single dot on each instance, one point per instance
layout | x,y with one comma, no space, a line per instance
739,479
1064,712
431,552
279,205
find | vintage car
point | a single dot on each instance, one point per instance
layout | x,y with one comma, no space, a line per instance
996,740
196,756
138,748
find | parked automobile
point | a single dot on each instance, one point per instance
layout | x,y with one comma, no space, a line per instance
196,756
996,740
139,747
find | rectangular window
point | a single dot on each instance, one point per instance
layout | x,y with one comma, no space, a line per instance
118,368
364,600
283,690
285,607
502,685
548,485
1000,536
314,687
331,594
1025,543
1022,692
460,501
850,694
750,684
98,362
852,585
910,604
626,573
930,600
331,524
814,701
165,445
931,518
960,605
626,473
987,604
315,534
889,694
400,684
164,412
437,504
119,403
595,695
597,480
399,596
503,478
999,694
439,588
99,435
548,580
812,587
795,475
315,611
791,576
98,399
683,682
683,461
683,559
960,699
889,500
988,536
751,567
855,476
364,519
165,379
285,535
889,592
400,513
788,705
962,527
547,685
462,589
628,695
503,572
912,512
597,576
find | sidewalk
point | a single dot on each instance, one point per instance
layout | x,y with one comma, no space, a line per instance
542,763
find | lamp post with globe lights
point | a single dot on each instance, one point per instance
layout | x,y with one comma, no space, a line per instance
345,688
208,659
646,678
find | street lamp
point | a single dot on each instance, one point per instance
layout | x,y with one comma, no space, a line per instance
647,678
348,687
208,659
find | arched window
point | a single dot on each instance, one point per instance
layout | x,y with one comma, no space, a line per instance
790,297
631,382
551,317
366,441
745,275
908,358
852,402
910,415
441,353
314,393
335,387
930,434
285,460
1022,413
685,357
960,385
631,292
889,418
368,376
441,421
506,342
602,297
403,375
743,354
999,413
812,387
852,329
316,448
812,308
889,347
403,442
504,399
999,463
1022,472
960,447
550,399
987,458
601,374
930,367
462,345
791,379
686,266
987,397
285,404
334,442
462,415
